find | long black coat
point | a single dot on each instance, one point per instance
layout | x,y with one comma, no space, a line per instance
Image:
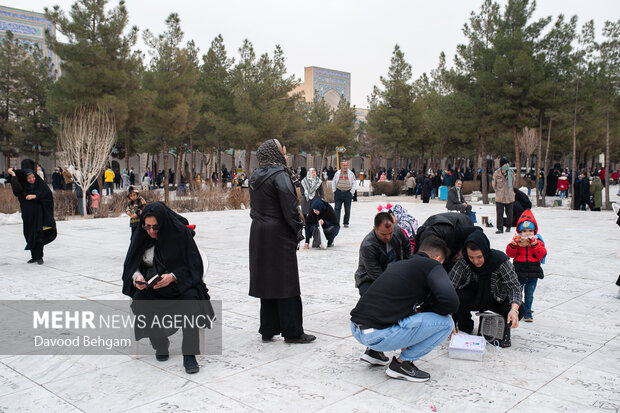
274,234
37,213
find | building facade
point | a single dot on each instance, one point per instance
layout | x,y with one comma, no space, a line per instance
332,85
29,28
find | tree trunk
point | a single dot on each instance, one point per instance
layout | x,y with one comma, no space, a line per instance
547,171
574,163
484,183
323,159
538,156
127,152
219,162
248,158
607,163
517,157
164,144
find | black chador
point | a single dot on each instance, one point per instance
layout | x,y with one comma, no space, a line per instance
38,212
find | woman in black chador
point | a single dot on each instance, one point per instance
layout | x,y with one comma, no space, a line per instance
274,237
37,204
164,246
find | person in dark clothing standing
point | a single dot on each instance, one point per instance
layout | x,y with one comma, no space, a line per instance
408,307
322,213
582,191
37,205
427,188
385,244
486,280
274,236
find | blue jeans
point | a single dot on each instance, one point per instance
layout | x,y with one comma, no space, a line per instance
433,193
417,334
528,286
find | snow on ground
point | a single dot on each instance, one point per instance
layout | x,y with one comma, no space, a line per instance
567,360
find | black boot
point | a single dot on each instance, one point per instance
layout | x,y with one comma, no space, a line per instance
160,344
190,364
506,339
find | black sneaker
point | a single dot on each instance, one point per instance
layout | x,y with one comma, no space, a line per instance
266,339
190,364
40,261
499,231
346,225
32,260
302,339
406,371
376,358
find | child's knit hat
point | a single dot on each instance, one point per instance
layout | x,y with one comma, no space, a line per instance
527,221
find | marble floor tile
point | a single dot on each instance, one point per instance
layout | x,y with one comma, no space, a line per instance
197,399
541,403
451,390
119,387
278,386
44,369
369,401
12,381
589,387
35,399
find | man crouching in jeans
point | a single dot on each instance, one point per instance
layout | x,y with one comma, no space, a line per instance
408,307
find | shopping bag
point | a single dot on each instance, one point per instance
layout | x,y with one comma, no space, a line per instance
323,244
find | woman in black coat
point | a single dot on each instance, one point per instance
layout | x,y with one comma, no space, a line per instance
274,236
37,205
163,274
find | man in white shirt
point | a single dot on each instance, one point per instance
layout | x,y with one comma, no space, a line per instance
344,186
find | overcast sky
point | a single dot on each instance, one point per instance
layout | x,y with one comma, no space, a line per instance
351,36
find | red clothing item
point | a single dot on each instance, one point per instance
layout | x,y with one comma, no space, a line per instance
601,174
535,251
562,184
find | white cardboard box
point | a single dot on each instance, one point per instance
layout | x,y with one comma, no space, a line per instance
466,347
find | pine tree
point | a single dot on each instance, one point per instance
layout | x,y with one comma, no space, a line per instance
171,80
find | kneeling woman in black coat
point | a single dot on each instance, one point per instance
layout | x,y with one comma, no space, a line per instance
164,247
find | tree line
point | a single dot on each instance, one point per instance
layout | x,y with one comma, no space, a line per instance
513,72
514,78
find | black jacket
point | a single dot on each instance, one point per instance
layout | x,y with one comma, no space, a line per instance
373,259
450,227
405,285
274,234
328,216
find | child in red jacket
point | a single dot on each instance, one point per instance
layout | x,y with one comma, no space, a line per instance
527,250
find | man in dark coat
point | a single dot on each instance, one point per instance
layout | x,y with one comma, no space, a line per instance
274,236
427,188
37,205
322,213
386,243
456,201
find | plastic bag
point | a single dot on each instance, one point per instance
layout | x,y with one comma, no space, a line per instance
323,244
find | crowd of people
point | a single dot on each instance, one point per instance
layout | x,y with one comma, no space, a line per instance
417,283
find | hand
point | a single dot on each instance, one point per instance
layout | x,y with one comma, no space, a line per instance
452,333
165,280
30,197
10,170
513,318
321,221
142,280
134,216
306,246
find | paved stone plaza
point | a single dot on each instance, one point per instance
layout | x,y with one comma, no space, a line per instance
567,360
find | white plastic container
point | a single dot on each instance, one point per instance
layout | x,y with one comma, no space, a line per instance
466,347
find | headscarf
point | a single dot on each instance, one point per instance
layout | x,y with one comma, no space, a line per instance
492,258
175,246
310,184
407,222
319,205
506,167
270,153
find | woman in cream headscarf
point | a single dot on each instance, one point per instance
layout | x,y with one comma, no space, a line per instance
311,189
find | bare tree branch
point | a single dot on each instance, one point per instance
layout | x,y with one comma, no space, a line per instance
86,139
